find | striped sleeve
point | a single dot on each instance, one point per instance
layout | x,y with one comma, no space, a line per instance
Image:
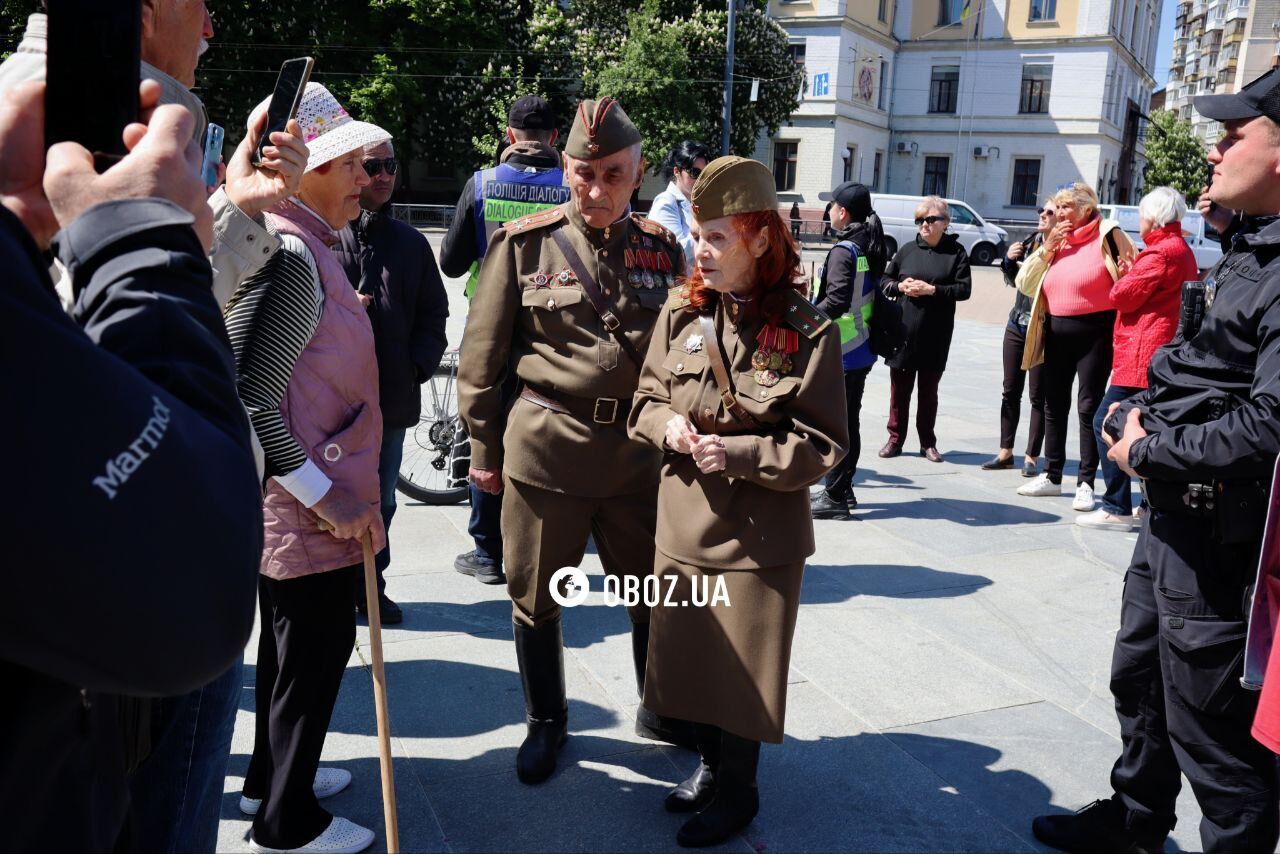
270,319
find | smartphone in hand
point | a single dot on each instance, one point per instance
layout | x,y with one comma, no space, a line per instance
290,85
213,140
92,74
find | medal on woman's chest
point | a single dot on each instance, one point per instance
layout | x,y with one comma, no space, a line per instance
772,358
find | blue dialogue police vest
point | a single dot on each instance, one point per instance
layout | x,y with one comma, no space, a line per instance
504,193
855,324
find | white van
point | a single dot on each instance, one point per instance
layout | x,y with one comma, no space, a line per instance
985,243
1204,241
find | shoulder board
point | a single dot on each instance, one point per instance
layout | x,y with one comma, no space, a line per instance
676,298
648,226
804,316
532,221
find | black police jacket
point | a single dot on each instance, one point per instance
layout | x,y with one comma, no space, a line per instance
1213,405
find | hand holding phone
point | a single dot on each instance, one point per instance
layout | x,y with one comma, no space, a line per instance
254,189
290,85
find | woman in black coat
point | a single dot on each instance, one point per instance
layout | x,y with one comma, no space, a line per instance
933,275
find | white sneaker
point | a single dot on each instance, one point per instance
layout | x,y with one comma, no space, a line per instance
1101,520
1084,500
340,837
1040,486
328,782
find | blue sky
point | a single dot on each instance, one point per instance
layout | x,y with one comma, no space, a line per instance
1164,47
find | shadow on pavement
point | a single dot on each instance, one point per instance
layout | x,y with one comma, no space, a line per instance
958,511
827,584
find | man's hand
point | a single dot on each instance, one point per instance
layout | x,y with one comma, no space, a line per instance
1106,437
1214,214
680,435
253,189
348,517
1016,251
487,480
22,160
163,162
1119,453
708,453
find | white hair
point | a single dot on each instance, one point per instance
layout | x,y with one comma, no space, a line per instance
1162,206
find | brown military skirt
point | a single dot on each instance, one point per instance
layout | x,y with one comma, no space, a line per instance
718,663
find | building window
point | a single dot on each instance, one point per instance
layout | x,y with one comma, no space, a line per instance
884,11
849,154
935,176
795,52
1043,10
1035,88
949,11
884,82
875,172
1026,183
944,86
784,166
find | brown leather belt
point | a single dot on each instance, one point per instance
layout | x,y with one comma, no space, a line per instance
600,410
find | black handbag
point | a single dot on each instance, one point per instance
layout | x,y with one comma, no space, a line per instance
888,335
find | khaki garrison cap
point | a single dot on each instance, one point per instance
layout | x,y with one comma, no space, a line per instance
600,128
733,185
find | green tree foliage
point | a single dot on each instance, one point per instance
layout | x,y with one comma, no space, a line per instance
1175,157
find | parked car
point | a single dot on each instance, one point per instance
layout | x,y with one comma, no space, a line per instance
984,242
1205,242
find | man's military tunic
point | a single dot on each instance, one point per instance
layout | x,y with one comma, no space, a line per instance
569,469
748,524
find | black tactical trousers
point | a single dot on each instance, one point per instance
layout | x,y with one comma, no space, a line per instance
1175,674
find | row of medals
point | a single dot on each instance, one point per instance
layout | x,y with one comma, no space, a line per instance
648,269
772,359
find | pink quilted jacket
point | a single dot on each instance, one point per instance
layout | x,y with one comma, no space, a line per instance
1146,301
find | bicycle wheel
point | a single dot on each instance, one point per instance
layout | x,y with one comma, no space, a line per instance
434,467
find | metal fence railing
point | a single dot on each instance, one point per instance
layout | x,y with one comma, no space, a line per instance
424,216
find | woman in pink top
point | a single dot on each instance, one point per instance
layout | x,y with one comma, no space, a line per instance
1078,322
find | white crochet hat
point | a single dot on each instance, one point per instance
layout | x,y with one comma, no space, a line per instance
327,129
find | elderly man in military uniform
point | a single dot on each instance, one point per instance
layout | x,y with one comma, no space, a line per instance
569,297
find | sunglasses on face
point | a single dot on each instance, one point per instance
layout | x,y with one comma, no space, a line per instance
375,167
931,220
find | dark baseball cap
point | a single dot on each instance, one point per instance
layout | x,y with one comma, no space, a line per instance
529,112
1259,98
853,197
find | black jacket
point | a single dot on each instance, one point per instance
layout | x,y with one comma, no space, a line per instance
929,321
459,250
1020,314
138,508
1213,404
392,262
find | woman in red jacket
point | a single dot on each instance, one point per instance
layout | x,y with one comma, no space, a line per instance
1146,298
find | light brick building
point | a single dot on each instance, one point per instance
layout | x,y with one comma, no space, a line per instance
998,106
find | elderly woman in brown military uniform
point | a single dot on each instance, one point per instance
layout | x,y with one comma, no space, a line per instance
742,390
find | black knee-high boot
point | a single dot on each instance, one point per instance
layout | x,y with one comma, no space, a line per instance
540,653
649,724
736,800
696,792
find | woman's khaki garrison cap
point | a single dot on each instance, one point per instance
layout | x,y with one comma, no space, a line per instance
733,185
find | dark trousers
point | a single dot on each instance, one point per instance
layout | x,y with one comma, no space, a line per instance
1011,398
307,632
839,482
1118,500
901,383
485,524
1078,346
389,458
1175,675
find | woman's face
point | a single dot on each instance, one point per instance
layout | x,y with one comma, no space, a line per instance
335,193
725,257
932,224
684,178
1048,216
1145,226
1070,211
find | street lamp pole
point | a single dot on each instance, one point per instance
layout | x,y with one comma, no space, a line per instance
728,80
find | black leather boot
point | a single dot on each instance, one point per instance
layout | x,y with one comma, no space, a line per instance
736,800
540,653
1106,826
649,724
696,792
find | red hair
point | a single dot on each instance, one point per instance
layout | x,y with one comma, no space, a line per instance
777,270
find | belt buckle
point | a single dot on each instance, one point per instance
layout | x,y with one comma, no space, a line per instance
611,323
612,403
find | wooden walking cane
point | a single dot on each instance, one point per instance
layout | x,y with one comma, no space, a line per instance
380,697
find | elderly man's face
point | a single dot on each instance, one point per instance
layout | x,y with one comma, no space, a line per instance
602,188
383,184
174,34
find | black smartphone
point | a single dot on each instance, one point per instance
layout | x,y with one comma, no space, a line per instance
92,75
291,83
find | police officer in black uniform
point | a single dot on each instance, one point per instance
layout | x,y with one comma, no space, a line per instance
1203,438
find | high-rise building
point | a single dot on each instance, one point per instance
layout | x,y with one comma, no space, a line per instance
1218,46
997,102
